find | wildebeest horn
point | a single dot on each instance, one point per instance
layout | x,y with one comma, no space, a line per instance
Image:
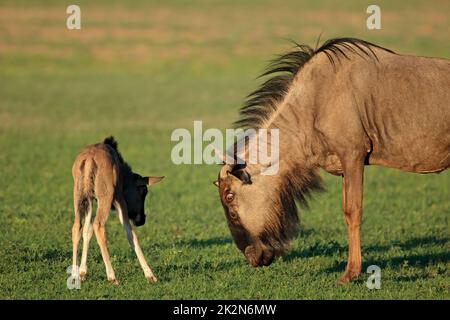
226,169
229,163
230,168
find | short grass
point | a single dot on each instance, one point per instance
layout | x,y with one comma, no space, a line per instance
140,70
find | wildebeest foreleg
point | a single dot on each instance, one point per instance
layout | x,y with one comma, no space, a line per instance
352,196
104,206
133,240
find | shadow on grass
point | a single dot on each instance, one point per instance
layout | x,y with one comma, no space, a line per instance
316,249
405,260
207,268
31,255
415,260
199,243
332,248
410,243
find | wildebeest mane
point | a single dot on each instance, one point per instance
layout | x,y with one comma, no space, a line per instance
112,142
262,102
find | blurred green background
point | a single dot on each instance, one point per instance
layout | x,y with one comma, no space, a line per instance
140,69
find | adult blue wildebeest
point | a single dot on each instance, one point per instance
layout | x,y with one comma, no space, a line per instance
340,107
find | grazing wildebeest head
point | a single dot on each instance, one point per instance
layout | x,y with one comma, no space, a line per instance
260,209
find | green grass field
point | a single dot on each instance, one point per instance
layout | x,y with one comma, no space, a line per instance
139,71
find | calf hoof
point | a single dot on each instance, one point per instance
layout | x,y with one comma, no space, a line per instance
151,278
348,276
114,282
83,276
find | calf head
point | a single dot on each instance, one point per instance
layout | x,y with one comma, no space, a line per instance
136,189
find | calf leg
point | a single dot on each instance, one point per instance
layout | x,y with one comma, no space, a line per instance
352,196
76,234
104,206
133,240
87,235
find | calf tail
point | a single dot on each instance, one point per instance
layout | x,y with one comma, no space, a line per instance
88,172
85,185
85,178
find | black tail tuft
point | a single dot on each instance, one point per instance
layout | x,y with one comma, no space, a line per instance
83,206
110,141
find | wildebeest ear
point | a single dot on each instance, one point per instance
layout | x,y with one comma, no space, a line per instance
153,180
216,183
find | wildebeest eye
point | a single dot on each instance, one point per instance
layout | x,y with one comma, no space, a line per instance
229,197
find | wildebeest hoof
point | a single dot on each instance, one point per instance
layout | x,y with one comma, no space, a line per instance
348,276
151,278
114,281
83,276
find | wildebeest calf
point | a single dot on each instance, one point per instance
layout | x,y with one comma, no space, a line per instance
100,173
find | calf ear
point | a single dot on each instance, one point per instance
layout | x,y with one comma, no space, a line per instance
216,183
153,180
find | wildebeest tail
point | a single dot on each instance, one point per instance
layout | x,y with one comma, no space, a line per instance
86,180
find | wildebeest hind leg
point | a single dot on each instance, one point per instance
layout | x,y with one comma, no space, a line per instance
79,213
87,235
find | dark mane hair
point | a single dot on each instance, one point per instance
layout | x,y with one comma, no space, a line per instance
112,142
263,101
284,221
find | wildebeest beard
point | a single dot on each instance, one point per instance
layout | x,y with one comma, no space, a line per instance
283,222
281,219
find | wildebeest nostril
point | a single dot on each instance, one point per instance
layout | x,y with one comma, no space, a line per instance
254,255
267,257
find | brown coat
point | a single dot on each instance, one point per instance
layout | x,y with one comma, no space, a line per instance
101,174
340,107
